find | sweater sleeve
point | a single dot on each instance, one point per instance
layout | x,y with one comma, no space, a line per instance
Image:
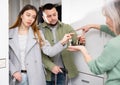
107,60
106,29
49,50
47,62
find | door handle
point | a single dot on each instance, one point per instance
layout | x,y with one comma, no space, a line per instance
85,81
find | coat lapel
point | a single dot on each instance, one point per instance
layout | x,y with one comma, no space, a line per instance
14,44
13,41
31,41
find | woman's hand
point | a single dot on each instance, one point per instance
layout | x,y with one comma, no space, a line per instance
83,51
17,75
76,48
66,38
86,28
81,39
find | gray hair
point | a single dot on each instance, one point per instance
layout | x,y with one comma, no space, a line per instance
112,10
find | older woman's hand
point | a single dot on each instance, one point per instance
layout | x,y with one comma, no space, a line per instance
87,27
77,48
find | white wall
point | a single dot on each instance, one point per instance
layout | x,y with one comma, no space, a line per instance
74,10
4,42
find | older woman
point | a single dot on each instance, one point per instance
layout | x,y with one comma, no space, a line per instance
109,60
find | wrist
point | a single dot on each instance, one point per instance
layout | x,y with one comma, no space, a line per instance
95,26
62,42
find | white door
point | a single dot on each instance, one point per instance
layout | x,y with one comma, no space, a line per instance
4,42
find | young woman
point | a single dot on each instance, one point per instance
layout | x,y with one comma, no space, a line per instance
109,60
25,42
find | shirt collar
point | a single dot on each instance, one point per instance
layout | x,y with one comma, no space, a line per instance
46,25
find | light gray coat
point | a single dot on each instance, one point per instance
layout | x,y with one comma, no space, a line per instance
33,59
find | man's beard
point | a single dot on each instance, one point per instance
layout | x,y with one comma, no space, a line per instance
53,24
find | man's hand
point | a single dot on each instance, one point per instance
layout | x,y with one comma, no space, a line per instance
56,70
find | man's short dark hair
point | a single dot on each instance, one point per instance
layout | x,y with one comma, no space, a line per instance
48,6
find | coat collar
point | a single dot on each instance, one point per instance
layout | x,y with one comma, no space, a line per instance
13,41
14,44
32,40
